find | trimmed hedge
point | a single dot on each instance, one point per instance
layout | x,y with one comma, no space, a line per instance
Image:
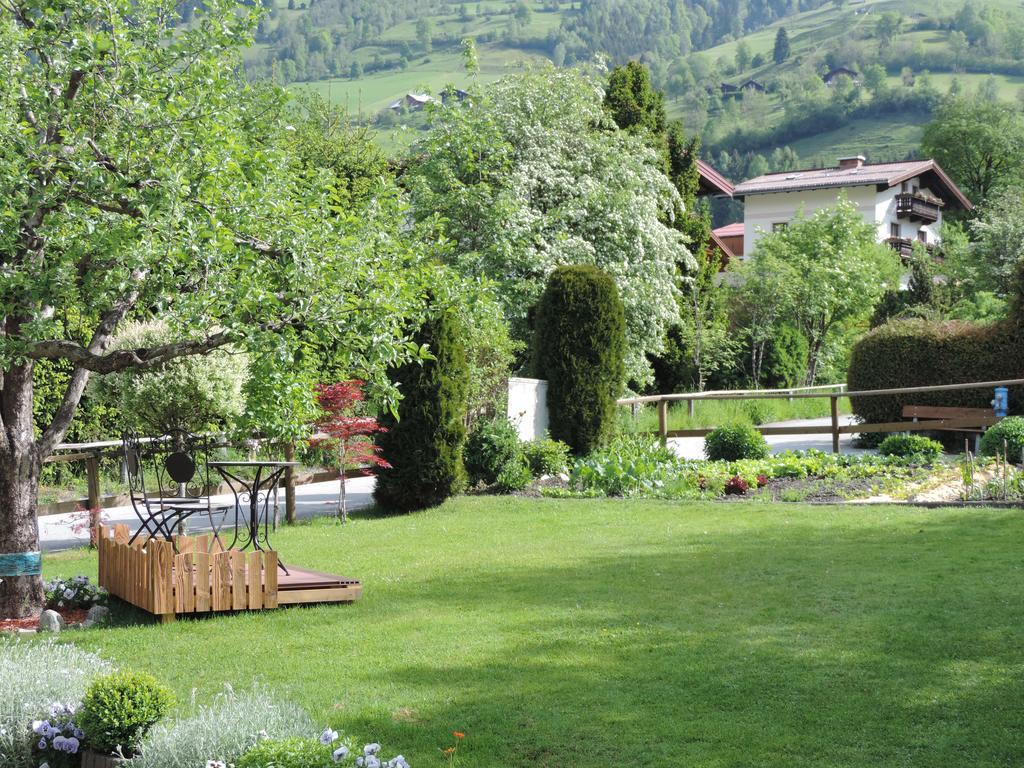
424,445
914,353
579,347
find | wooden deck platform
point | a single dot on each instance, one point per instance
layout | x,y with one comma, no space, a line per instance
200,577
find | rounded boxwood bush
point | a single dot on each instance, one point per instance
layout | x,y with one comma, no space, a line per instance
911,446
580,349
424,444
1010,431
735,442
492,445
288,753
120,708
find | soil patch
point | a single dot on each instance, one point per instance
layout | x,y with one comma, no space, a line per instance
72,617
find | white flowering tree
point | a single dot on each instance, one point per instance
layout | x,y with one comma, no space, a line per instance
533,175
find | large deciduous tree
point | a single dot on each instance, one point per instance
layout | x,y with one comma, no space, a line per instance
979,143
141,178
535,176
819,273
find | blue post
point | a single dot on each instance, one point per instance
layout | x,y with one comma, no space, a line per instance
1001,403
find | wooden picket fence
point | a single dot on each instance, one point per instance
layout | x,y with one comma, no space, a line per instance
201,577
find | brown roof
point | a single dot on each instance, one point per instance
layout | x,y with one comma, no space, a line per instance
730,230
879,174
712,182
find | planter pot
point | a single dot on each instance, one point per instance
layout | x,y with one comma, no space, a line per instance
92,759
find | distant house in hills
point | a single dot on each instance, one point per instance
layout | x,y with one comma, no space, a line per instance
834,75
412,102
905,201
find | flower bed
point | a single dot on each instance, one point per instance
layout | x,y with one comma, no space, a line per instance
640,467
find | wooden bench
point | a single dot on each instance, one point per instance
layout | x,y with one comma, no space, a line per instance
973,420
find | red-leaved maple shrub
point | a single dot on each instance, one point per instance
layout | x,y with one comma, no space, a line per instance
342,429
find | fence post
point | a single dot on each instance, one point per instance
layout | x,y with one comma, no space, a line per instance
92,473
289,484
835,423
663,420
689,408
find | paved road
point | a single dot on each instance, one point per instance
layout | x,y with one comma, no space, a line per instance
310,500
321,498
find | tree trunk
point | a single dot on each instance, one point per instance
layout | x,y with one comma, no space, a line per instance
20,465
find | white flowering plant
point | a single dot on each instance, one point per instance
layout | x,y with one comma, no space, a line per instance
57,739
76,592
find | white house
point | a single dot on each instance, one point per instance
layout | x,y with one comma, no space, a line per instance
904,200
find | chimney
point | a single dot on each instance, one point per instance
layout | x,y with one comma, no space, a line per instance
850,163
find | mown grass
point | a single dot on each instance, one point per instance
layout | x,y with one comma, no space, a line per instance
715,413
598,633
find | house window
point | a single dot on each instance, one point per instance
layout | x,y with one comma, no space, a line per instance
903,187
922,235
779,226
894,230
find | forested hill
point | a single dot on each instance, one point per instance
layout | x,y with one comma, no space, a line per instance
759,104
308,40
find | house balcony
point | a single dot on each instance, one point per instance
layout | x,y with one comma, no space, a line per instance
904,246
916,208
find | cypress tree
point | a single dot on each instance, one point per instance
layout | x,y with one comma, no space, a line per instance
781,51
579,347
424,444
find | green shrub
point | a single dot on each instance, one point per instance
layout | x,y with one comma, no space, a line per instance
287,753
119,709
758,411
546,456
735,442
907,446
785,363
910,353
631,464
198,393
491,447
514,476
579,347
1010,431
424,444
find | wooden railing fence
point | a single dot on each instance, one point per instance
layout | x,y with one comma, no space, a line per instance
837,391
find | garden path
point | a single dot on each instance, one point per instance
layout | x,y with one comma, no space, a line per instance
312,500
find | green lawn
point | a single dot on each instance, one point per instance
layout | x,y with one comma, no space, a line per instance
601,633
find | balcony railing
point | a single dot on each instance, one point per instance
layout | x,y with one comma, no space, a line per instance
916,208
904,246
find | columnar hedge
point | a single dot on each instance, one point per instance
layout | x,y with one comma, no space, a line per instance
579,347
910,353
424,444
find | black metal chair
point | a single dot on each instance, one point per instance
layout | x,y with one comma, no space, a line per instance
169,481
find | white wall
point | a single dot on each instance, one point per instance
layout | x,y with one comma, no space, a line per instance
761,212
528,407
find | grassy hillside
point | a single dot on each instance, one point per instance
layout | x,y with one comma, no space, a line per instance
367,70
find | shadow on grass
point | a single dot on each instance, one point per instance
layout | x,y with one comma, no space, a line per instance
780,642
